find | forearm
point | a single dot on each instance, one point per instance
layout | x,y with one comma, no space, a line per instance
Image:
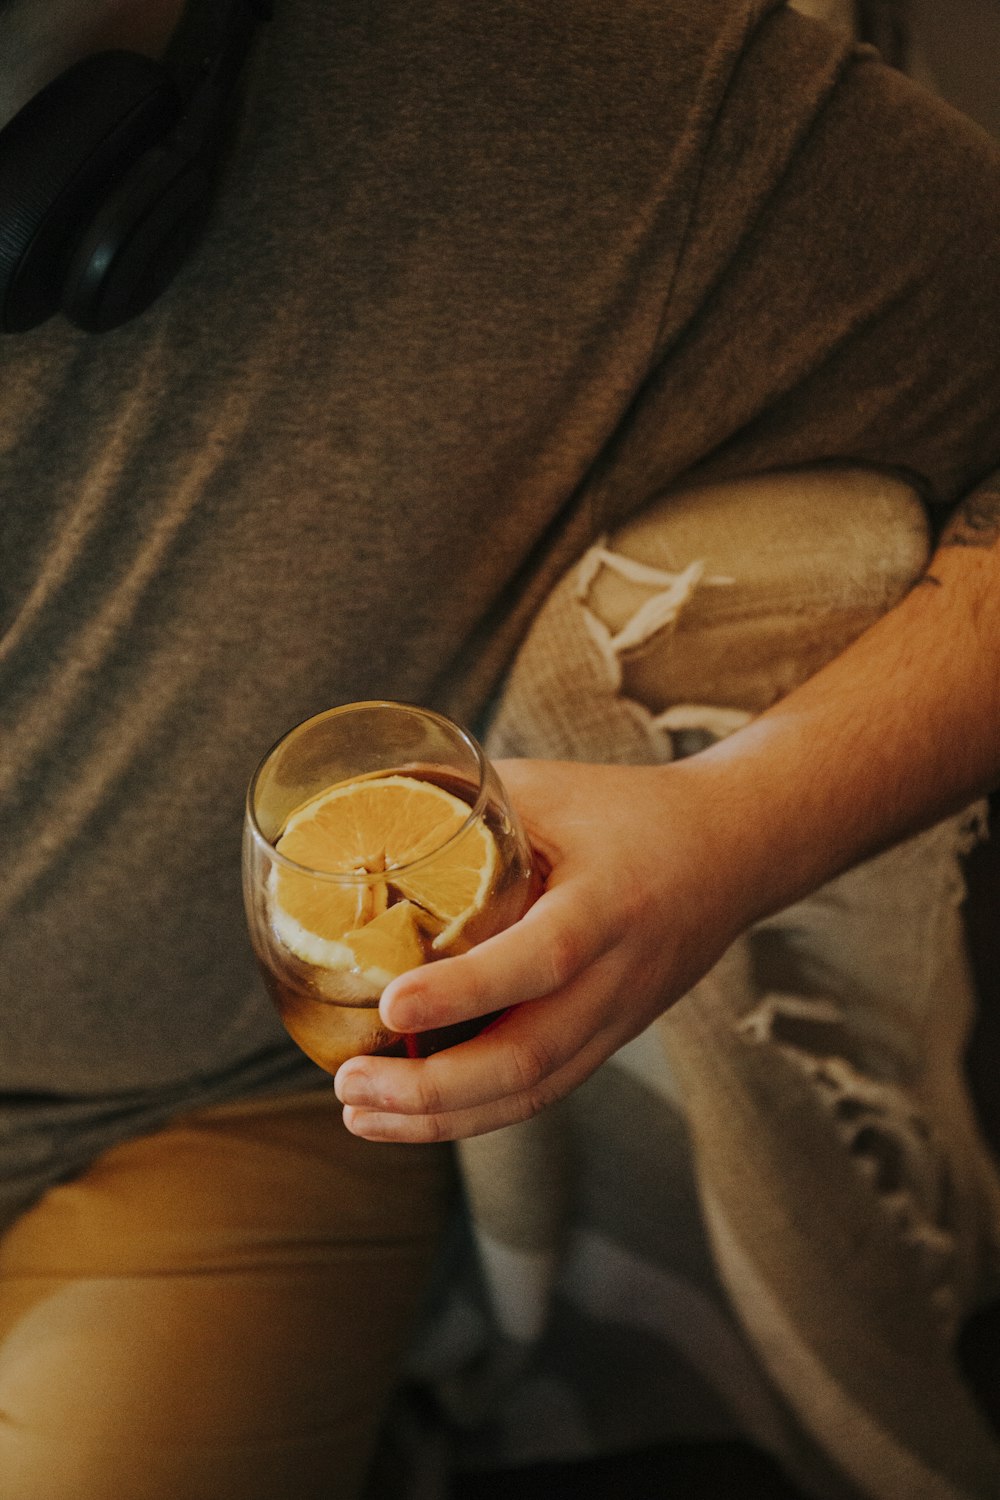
900,730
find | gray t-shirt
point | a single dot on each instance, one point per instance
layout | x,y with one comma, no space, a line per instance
482,280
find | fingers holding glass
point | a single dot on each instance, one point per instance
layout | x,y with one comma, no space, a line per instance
534,1055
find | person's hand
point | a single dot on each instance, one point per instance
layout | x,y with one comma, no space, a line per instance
636,909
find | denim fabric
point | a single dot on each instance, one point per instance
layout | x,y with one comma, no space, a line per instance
851,1208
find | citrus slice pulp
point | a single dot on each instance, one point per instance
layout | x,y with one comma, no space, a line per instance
416,865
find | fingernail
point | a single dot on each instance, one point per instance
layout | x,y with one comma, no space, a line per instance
404,1013
353,1086
370,1127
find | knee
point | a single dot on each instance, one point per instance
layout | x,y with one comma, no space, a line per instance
707,607
792,567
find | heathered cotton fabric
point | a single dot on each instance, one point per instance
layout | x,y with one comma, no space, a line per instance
483,280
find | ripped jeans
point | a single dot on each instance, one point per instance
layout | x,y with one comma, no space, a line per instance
851,1206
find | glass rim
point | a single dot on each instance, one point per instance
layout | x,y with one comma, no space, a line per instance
354,877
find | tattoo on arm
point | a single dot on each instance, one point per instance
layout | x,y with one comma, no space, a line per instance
976,522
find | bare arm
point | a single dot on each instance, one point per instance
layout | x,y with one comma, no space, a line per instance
900,730
655,870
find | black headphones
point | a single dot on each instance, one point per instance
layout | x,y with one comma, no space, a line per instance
106,176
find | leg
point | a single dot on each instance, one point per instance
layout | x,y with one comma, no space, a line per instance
858,1228
214,1312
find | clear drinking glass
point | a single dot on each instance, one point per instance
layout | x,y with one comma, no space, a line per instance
377,837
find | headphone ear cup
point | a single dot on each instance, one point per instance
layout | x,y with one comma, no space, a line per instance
58,157
137,241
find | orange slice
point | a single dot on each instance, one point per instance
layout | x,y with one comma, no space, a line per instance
388,945
369,829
